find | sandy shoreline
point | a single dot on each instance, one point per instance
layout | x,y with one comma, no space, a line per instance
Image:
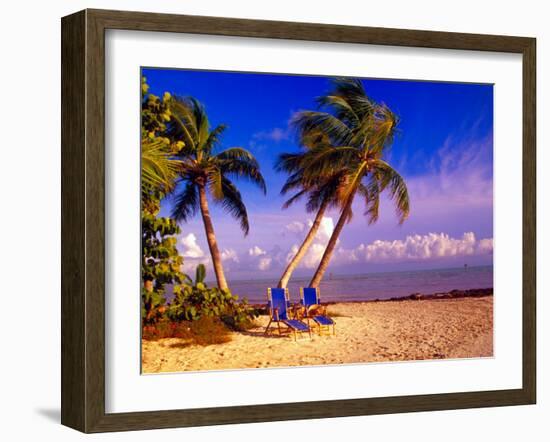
419,329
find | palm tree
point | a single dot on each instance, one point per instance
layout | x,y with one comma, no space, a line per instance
204,170
321,193
360,132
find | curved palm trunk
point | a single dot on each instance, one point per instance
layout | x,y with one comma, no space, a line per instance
329,250
304,247
211,239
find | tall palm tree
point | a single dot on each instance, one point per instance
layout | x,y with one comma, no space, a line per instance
205,170
320,191
360,132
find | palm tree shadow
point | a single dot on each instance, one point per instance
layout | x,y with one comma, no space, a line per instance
51,414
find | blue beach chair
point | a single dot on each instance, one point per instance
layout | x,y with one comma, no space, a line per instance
279,312
310,297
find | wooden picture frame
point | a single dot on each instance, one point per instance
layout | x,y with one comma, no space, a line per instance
83,220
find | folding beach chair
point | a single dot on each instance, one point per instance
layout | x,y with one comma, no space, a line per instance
310,298
279,312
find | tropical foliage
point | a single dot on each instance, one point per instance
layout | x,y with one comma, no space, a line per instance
161,263
195,300
165,161
158,164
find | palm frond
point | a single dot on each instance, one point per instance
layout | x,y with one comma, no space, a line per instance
158,168
232,202
308,122
294,198
182,122
389,178
241,163
215,183
214,138
341,108
237,153
201,122
186,203
385,128
327,161
293,182
314,138
288,162
370,192
353,92
332,188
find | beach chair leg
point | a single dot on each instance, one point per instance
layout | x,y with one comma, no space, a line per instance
267,328
279,327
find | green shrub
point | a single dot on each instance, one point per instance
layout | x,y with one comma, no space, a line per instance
195,300
152,306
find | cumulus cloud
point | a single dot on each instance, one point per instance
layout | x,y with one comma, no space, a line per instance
193,254
325,229
259,258
313,256
256,251
230,255
191,248
295,227
293,251
264,263
418,247
485,246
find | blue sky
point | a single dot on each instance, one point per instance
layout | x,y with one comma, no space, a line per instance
444,151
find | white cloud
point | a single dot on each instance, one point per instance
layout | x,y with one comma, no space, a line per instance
276,134
295,227
485,246
313,256
258,258
230,255
264,263
325,229
192,249
256,251
418,247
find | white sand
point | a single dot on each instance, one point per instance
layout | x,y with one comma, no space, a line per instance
365,332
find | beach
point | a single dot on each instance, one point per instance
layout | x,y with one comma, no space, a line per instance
421,328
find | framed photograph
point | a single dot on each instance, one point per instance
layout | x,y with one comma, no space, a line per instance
266,221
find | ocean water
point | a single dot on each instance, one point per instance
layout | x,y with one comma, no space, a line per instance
376,285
